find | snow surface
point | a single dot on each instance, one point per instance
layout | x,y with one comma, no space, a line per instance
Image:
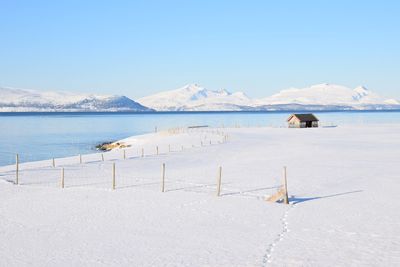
193,97
343,184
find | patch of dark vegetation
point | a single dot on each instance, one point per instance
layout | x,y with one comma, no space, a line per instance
104,146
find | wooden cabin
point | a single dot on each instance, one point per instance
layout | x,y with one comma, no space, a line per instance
302,121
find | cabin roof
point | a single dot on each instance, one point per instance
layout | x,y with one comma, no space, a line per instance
304,117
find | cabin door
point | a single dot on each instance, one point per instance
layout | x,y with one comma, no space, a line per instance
308,124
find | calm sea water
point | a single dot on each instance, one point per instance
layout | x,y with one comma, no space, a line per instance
37,136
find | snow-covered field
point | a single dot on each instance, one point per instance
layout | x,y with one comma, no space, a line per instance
343,185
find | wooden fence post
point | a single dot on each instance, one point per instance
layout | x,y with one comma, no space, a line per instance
155,129
286,197
62,177
80,158
54,163
163,178
124,154
102,157
16,169
157,149
113,176
219,181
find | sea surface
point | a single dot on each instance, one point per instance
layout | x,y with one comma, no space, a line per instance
38,136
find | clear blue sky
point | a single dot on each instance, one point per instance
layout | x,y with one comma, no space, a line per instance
136,48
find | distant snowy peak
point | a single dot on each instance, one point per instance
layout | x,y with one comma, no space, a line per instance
327,94
14,100
195,97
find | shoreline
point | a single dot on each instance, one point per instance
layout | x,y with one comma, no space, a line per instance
55,113
130,144
123,144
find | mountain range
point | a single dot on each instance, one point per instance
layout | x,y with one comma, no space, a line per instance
317,97
23,100
193,97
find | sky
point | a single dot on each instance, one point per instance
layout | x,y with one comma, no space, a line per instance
137,48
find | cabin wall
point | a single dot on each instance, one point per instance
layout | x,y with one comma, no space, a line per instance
295,123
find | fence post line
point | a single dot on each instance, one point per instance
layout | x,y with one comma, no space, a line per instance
80,158
163,178
124,154
155,129
102,157
157,149
113,176
219,181
286,197
62,177
16,168
54,163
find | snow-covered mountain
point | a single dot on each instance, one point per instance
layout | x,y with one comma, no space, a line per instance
192,97
317,97
327,94
18,100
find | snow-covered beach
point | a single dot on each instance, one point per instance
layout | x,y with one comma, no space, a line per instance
343,185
